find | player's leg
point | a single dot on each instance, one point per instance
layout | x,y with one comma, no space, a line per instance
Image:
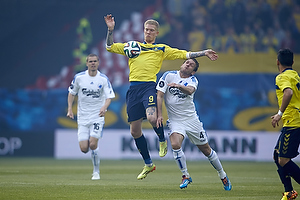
198,136
149,99
291,144
83,138
84,141
180,159
136,114
176,135
151,113
286,180
95,134
178,154
216,163
95,158
285,149
141,144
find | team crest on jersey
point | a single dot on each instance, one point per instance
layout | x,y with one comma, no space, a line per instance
176,92
161,84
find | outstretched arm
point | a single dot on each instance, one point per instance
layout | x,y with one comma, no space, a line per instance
110,22
211,54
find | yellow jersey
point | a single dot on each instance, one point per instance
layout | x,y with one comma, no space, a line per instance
146,66
289,78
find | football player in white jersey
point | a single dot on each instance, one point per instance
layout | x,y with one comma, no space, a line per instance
177,88
94,96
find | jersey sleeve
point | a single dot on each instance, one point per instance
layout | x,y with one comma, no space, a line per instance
108,90
194,82
173,53
162,84
283,82
74,87
116,48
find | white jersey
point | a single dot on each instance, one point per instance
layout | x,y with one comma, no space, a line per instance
92,92
179,106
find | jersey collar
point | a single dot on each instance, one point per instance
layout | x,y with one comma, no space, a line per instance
147,43
287,69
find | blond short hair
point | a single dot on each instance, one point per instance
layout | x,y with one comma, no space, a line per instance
152,22
92,55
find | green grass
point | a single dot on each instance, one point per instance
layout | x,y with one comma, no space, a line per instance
48,179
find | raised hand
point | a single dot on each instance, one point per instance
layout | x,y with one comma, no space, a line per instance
211,54
110,22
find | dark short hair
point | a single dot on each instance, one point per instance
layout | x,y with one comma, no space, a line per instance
285,57
196,62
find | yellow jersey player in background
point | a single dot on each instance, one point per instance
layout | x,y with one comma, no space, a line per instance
141,98
288,94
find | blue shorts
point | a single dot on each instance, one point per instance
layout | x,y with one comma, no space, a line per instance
288,142
139,97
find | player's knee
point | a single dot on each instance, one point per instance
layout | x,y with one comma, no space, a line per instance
93,146
175,145
84,150
136,134
283,161
152,121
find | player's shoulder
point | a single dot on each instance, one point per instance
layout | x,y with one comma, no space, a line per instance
169,73
79,75
194,79
101,75
286,74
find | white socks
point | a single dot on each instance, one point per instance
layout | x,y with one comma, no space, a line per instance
213,158
180,159
215,162
95,159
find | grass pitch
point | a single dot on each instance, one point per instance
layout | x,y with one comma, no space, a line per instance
48,179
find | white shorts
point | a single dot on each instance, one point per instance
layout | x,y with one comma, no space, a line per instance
90,130
191,128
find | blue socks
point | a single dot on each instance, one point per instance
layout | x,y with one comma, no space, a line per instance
293,170
141,145
160,133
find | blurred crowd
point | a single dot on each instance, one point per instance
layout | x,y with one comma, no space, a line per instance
230,26
227,26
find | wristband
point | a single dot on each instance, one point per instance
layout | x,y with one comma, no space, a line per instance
280,113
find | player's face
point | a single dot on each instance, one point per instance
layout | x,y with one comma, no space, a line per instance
92,63
187,68
150,33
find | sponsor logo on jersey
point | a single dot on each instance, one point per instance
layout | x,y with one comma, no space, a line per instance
176,92
93,93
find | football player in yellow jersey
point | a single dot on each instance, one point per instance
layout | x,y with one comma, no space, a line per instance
141,97
288,95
